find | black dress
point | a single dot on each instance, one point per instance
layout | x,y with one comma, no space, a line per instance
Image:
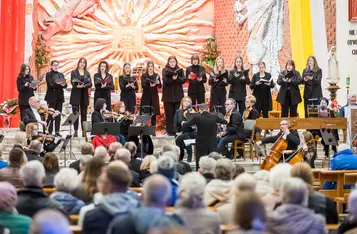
25,92
127,94
186,133
262,93
313,89
103,92
238,88
150,96
196,89
218,91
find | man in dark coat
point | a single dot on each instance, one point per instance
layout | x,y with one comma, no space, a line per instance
31,114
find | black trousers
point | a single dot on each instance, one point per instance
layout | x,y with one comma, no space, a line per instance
218,99
285,110
241,106
204,146
130,103
83,112
57,106
264,109
170,109
197,98
22,109
306,102
180,143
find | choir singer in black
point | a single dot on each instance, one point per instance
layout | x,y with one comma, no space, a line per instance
218,81
103,82
25,88
128,87
196,76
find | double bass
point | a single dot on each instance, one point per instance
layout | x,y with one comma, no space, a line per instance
276,152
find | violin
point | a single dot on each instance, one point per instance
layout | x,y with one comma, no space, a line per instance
44,110
188,110
45,138
276,152
247,113
126,115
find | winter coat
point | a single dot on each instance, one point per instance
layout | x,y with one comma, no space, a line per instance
70,204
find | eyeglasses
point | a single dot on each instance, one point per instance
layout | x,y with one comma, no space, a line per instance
227,104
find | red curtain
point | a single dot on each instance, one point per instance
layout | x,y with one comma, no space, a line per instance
12,38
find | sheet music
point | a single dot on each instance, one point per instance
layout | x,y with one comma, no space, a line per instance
189,142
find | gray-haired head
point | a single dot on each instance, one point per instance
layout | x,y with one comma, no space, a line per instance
32,173
21,138
66,180
215,155
87,148
101,152
191,190
244,182
224,169
177,150
113,148
156,191
36,146
294,191
123,155
207,165
279,174
171,154
166,148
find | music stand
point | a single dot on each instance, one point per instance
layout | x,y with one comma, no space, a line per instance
328,137
106,128
69,122
63,149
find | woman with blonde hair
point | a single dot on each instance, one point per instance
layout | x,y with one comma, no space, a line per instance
145,167
218,80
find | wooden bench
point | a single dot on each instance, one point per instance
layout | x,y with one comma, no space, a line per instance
350,178
75,229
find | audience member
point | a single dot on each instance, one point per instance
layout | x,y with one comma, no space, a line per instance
134,162
215,155
352,101
65,183
166,167
263,186
82,164
3,164
50,221
207,167
191,208
180,169
217,192
145,167
166,148
12,172
124,156
9,218
113,149
187,166
34,150
31,198
317,201
278,175
113,183
350,222
102,153
293,216
51,165
238,169
86,149
103,140
156,195
20,140
97,199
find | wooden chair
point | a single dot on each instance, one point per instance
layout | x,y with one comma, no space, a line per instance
75,229
74,219
274,114
240,144
350,178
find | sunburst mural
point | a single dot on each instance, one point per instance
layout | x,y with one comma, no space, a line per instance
120,31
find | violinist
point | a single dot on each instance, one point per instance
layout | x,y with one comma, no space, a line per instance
184,132
128,87
309,148
31,115
56,83
103,82
49,142
250,111
151,83
25,88
218,81
196,76
234,129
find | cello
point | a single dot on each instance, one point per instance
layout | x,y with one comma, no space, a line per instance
276,152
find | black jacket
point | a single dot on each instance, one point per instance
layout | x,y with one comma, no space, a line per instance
235,125
54,92
103,92
196,87
206,124
172,90
127,92
186,166
33,155
219,86
25,92
76,165
292,87
324,206
260,90
253,114
135,165
136,179
178,119
313,87
97,118
238,82
292,139
33,199
29,117
77,94
150,95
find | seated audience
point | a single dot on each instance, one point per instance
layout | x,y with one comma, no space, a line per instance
180,169
217,192
9,218
145,167
344,159
113,149
51,164
238,169
97,199
31,197
215,155
352,101
187,166
124,156
350,222
86,149
11,173
134,162
50,221
263,186
82,164
113,183
207,167
191,208
166,167
3,164
293,216
20,140
317,201
102,153
65,183
156,195
278,175
34,150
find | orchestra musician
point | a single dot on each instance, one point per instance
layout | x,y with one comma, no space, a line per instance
172,93
128,87
184,132
238,79
218,81
151,83
56,83
250,113
81,82
103,82
206,123
31,115
312,76
196,76
49,142
233,130
289,93
25,88
261,85
309,148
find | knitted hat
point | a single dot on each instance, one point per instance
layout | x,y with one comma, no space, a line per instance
8,196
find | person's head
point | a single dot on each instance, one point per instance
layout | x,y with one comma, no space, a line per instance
150,67
31,130
87,148
238,169
34,103
311,63
127,69
218,65
146,163
171,154
352,100
261,66
263,186
191,190
131,147
279,174
262,175
290,65
24,70
172,62
177,151
66,180
244,182
250,101
224,169
238,63
103,67
36,146
303,171
195,59
21,138
156,191
166,166
207,165
352,205
203,107
83,161
100,104
249,212
82,64
102,153
8,196
166,148
230,104
308,138
92,171
54,65
342,147
16,157
116,177
123,155
50,162
122,107
284,125
294,191
215,155
50,221
113,147
185,102
32,174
